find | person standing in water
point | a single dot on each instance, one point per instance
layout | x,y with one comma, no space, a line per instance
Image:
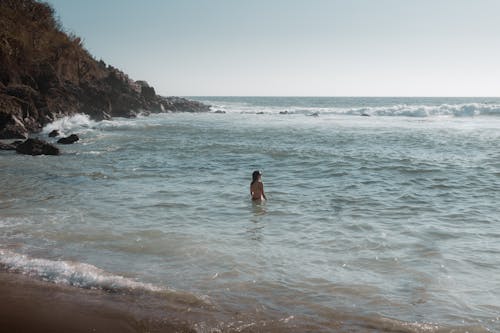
257,187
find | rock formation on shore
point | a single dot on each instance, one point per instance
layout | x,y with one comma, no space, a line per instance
37,147
46,74
68,140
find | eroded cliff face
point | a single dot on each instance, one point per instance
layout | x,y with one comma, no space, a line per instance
46,74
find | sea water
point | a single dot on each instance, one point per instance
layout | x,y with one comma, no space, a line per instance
382,213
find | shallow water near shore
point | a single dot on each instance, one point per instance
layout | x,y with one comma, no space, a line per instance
382,215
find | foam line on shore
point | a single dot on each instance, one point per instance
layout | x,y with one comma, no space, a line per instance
75,274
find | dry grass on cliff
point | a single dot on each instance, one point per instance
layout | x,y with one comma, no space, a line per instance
32,38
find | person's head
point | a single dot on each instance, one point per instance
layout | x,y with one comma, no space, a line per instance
256,176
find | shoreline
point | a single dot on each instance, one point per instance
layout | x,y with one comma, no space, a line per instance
29,305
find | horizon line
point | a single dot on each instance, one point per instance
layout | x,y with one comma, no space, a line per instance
339,96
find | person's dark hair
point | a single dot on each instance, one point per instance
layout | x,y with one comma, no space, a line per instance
255,176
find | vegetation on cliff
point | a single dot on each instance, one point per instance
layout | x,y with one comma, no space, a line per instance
46,74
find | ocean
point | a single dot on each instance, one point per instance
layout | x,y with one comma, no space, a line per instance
383,214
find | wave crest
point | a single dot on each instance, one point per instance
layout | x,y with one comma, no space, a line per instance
397,110
456,110
71,273
70,124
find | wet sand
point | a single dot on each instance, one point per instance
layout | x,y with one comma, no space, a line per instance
37,306
31,306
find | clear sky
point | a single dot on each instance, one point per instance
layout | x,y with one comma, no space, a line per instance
296,47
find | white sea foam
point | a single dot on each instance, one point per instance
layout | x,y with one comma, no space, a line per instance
397,110
71,124
81,123
70,273
457,110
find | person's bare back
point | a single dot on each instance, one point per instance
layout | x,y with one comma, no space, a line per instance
257,187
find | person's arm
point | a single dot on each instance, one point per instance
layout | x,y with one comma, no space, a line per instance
262,191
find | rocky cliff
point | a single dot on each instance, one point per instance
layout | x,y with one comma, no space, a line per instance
46,74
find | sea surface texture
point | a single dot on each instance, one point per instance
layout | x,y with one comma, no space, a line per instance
383,214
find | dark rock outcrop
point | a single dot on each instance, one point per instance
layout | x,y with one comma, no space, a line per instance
46,74
36,147
69,139
10,146
11,127
147,92
53,134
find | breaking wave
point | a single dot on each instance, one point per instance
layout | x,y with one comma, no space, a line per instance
397,110
68,125
69,273
460,110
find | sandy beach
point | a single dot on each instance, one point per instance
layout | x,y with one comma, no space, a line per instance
35,306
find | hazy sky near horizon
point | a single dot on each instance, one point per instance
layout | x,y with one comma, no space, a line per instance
296,47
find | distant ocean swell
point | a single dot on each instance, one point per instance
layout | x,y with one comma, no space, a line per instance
463,110
83,123
399,110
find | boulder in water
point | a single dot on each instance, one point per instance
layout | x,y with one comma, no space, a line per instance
69,139
36,147
53,134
